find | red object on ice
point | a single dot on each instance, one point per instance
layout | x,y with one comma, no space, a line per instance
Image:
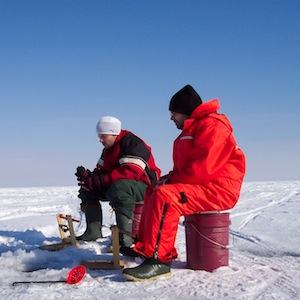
76,275
207,237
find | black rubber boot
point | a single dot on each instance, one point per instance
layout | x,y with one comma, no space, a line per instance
128,251
125,227
126,241
93,216
149,269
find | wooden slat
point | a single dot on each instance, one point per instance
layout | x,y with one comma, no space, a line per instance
101,264
60,223
57,246
115,245
71,230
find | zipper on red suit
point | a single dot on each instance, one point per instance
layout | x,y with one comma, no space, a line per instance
160,229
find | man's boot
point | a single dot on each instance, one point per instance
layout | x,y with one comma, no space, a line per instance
149,269
93,216
125,227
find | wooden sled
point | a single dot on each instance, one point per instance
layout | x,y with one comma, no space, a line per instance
66,231
115,263
67,234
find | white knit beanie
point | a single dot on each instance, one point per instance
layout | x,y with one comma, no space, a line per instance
108,125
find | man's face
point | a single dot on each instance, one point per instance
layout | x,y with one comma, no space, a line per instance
107,140
178,119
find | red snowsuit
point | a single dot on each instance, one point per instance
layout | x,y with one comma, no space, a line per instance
207,175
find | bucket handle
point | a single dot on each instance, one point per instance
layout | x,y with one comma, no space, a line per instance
210,240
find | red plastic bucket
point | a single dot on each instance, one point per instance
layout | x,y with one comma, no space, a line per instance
207,238
137,215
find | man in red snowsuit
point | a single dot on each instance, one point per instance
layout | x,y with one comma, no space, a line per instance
207,175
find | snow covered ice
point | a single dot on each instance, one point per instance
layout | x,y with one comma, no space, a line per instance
264,258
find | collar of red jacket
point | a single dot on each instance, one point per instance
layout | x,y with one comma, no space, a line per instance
121,135
202,110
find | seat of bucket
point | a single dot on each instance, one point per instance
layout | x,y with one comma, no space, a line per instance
213,212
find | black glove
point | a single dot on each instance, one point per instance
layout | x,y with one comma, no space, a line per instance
91,181
82,173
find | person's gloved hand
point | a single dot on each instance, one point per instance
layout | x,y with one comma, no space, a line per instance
82,173
83,177
93,182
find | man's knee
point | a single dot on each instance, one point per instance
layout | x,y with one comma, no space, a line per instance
123,194
123,185
126,190
165,193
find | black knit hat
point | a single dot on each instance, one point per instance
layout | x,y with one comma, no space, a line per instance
185,101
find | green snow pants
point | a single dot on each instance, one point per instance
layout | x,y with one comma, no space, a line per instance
123,194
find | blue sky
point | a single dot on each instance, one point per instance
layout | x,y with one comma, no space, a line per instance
64,64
